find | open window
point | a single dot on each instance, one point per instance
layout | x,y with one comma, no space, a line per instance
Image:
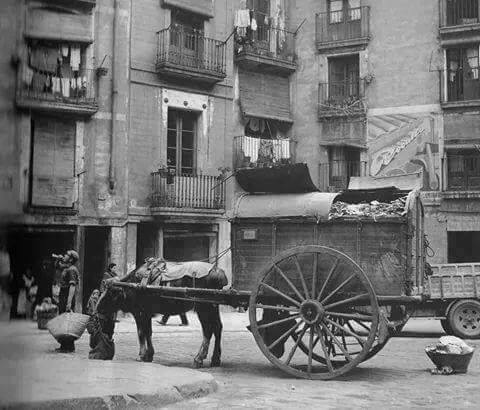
344,76
463,73
463,246
343,11
181,141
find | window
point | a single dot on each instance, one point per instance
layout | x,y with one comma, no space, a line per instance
187,30
344,10
463,170
344,78
344,163
463,246
460,12
181,132
463,73
52,162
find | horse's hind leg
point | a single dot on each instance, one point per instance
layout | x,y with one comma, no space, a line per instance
217,332
207,331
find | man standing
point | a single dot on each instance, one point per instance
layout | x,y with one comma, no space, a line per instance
109,274
68,286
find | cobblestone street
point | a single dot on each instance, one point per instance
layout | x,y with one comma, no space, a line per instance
397,377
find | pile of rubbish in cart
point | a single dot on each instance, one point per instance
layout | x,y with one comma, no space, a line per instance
373,209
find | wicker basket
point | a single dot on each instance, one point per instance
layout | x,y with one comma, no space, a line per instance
458,362
68,325
43,317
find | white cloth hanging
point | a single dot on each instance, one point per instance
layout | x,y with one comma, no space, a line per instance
75,58
65,49
66,87
242,18
253,24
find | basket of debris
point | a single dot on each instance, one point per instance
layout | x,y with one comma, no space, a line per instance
45,312
68,325
450,355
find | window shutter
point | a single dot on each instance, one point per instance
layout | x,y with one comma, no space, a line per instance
53,163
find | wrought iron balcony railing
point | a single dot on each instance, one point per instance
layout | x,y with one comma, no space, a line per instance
187,191
460,86
459,13
251,152
266,41
341,98
463,172
335,175
36,89
350,26
190,51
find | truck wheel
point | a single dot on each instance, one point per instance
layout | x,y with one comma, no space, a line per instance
446,326
464,319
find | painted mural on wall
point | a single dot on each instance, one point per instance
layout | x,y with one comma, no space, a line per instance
404,144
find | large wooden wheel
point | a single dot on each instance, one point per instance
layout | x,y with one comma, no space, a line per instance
301,311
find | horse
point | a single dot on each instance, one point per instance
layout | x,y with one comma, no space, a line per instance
144,305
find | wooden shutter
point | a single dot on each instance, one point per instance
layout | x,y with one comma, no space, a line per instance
265,96
53,165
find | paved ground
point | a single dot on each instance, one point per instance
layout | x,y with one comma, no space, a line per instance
397,377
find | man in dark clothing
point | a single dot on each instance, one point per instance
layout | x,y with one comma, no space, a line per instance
68,284
109,274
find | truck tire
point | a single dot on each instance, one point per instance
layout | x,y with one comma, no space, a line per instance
464,318
446,326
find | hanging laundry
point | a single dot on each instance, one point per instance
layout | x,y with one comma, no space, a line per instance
38,81
66,87
66,71
253,24
242,18
27,75
56,87
75,58
52,56
65,50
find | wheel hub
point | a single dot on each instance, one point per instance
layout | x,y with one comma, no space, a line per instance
312,311
470,319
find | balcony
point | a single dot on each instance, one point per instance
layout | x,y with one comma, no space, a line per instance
267,49
43,92
337,99
458,18
460,88
187,193
463,172
250,152
190,56
345,28
335,175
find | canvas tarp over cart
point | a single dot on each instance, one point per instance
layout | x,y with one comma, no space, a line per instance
323,294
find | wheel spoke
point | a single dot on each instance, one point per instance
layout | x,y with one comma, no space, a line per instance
310,351
345,301
295,302
271,307
302,279
297,342
347,331
350,316
338,288
284,335
314,274
292,286
330,273
277,322
344,351
362,324
324,348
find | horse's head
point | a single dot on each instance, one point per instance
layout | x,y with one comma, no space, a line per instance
111,300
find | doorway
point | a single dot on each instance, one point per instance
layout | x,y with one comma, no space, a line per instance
95,259
463,246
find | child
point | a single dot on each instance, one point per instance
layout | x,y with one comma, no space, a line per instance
92,302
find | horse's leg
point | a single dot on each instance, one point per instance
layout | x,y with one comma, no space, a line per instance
207,335
141,335
217,331
148,336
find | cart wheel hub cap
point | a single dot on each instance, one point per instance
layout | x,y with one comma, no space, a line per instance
312,311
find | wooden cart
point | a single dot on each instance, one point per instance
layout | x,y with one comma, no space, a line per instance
323,295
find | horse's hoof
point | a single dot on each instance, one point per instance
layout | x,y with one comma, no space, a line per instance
197,364
215,363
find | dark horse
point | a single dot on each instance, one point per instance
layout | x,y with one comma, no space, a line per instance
143,305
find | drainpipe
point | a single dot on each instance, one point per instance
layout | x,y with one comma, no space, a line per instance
111,168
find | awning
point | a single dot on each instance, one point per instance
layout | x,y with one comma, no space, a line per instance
312,204
259,114
282,179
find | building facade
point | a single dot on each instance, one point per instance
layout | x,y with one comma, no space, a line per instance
123,121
